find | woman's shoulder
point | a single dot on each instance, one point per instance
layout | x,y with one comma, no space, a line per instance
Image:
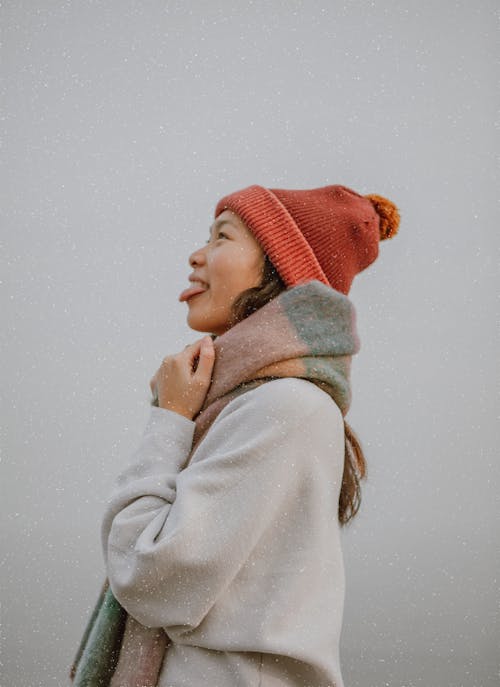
292,398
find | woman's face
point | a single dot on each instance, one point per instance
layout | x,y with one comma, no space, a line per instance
231,261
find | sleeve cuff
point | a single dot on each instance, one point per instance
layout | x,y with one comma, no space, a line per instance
162,420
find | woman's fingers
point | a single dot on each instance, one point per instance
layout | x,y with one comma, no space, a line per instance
201,355
183,380
206,361
188,356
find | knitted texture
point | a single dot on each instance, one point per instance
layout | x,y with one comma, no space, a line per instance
329,234
307,331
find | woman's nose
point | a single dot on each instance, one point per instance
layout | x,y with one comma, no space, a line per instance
196,257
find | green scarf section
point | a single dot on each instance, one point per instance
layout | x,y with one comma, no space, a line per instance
99,649
307,331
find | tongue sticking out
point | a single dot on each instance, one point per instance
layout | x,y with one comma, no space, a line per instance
191,291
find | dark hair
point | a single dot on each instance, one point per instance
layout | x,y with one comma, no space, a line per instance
354,461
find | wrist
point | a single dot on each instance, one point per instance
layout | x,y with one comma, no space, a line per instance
179,411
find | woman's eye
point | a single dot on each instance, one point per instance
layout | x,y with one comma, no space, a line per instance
219,234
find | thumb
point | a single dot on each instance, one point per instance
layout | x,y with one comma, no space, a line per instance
207,358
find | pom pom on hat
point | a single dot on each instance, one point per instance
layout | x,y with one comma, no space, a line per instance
388,213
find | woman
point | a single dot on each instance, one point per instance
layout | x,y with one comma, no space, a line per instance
222,538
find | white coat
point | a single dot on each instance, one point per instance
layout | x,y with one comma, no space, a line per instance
238,554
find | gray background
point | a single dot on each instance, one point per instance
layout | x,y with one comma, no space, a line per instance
123,123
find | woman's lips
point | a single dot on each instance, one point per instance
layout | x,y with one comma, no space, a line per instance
191,291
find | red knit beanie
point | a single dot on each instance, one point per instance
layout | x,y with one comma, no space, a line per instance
329,233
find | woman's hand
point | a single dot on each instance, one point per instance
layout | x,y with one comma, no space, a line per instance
182,381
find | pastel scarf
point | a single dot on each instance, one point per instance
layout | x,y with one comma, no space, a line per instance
307,331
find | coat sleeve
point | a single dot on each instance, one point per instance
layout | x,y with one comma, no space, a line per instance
174,537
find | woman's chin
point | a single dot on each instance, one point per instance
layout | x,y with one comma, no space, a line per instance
206,320
195,326
205,328
198,324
